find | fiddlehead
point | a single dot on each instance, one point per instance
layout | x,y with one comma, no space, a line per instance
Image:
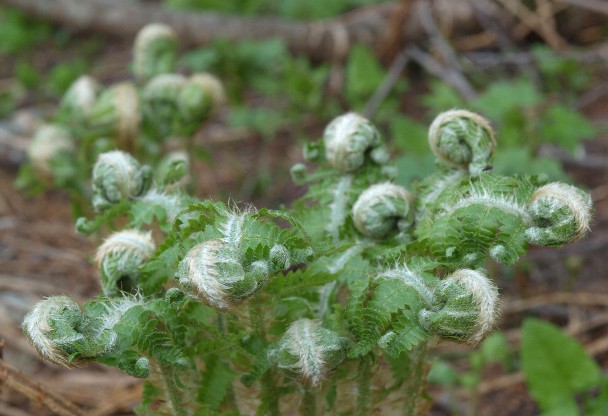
118,176
119,259
561,214
49,141
308,352
349,140
383,209
462,139
154,51
465,307
117,114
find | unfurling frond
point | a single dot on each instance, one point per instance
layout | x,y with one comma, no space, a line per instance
561,214
308,352
462,139
465,307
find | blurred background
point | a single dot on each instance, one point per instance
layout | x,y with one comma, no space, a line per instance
538,69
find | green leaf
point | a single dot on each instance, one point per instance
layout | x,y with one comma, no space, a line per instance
555,366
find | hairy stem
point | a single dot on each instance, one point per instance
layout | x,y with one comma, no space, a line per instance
338,207
363,386
415,382
168,387
308,407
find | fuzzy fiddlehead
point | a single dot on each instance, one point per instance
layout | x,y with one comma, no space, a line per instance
212,273
383,209
78,101
308,352
154,51
462,139
465,307
120,258
212,86
561,214
62,333
349,140
49,141
117,114
118,176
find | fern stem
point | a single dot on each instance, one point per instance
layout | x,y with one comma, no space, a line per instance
363,387
338,207
169,388
308,407
414,385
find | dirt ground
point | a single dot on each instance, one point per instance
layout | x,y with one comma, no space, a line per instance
41,255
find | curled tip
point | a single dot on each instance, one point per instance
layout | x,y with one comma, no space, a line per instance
210,270
117,176
212,86
120,257
49,141
308,352
462,139
155,51
117,114
348,139
79,99
465,307
382,209
52,326
561,213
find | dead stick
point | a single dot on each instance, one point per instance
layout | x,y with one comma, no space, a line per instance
387,85
17,381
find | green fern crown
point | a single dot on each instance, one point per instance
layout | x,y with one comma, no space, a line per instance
154,51
118,176
308,352
462,139
120,258
464,307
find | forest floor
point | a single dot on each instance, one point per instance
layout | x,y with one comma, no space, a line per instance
41,255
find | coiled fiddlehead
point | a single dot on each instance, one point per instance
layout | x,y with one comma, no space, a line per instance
117,114
465,307
119,259
118,176
212,273
462,139
383,209
49,141
349,139
561,214
154,51
78,101
62,333
308,352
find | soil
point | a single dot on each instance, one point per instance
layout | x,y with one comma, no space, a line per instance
41,255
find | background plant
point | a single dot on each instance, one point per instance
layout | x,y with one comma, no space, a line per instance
155,118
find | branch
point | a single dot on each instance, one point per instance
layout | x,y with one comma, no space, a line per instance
319,39
37,392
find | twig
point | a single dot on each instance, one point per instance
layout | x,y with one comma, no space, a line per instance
448,76
584,299
534,23
389,81
15,380
593,5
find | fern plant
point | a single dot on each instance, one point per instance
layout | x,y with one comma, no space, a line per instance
153,117
327,307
